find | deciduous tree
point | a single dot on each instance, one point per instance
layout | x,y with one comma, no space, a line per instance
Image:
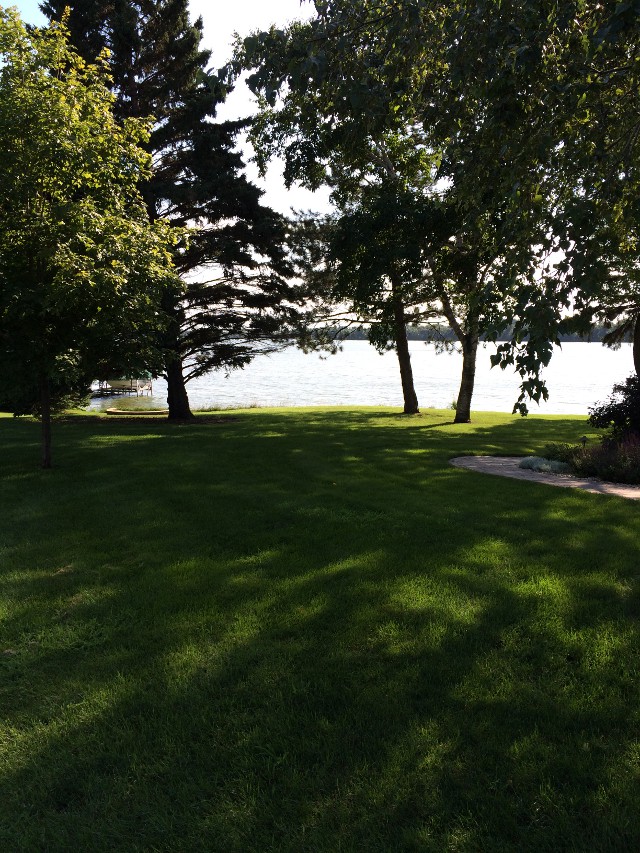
533,107
343,101
81,267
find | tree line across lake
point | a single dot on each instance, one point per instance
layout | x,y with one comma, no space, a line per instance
430,334
482,159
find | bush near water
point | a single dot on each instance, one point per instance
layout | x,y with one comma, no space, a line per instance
615,460
616,457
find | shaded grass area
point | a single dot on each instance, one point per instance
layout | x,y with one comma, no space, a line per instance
302,630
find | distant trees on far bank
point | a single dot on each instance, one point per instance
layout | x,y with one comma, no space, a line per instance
434,334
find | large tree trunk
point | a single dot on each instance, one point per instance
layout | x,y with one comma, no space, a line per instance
45,405
177,398
636,345
469,353
468,334
404,358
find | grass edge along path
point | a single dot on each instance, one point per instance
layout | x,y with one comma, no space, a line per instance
302,630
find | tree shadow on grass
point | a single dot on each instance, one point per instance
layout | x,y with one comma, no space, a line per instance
239,655
344,717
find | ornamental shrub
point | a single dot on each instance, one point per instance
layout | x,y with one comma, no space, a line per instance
621,412
616,460
562,452
613,459
544,466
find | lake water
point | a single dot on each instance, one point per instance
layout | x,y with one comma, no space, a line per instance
579,375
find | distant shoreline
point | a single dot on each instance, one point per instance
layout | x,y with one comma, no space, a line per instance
444,333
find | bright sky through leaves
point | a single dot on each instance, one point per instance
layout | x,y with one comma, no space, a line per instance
221,21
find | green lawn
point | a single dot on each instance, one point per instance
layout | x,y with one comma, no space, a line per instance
302,630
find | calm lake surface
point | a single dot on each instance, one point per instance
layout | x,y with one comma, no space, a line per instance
580,374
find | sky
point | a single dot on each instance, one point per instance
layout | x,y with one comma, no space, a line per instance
221,20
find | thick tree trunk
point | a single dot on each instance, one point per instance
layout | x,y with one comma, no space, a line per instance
45,404
468,334
177,398
469,353
404,358
636,345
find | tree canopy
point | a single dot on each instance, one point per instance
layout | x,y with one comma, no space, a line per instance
81,267
529,109
238,298
414,244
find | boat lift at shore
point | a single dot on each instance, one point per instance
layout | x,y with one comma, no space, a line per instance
111,387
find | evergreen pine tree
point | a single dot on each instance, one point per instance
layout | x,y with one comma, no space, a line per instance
159,69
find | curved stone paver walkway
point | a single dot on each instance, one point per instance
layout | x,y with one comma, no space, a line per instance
507,466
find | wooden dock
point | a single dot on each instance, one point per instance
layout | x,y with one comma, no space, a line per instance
115,387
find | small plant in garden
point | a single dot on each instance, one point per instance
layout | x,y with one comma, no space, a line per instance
561,452
544,466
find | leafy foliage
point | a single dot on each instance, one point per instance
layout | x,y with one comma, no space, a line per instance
544,465
615,458
81,268
355,98
561,452
621,412
617,461
529,110
238,298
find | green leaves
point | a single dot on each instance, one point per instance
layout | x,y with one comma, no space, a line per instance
81,267
528,119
